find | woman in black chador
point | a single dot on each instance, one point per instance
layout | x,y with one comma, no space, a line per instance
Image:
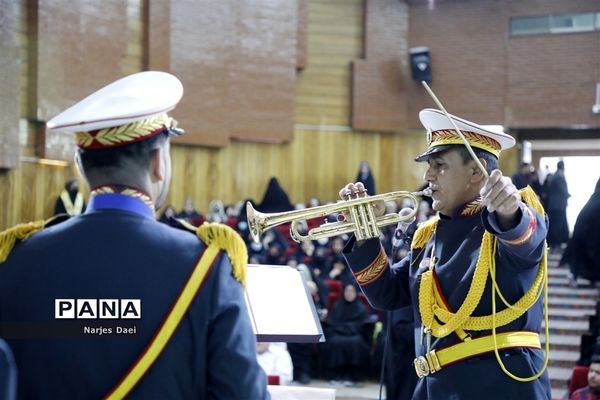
365,175
348,348
275,198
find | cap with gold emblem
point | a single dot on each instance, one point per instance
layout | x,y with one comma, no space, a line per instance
126,111
441,134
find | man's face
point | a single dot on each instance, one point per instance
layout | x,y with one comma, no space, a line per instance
594,376
451,180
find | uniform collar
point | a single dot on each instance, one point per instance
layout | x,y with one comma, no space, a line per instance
117,197
472,207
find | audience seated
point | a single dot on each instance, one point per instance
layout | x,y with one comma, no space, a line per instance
579,379
592,390
168,215
322,265
339,270
216,212
276,361
190,214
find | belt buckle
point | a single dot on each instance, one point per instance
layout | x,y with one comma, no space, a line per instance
421,366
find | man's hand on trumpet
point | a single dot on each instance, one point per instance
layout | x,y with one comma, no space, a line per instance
356,191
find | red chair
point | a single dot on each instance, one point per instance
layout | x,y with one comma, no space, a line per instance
333,297
579,378
335,286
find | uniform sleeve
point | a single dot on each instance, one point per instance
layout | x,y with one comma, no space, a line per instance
386,288
526,240
233,370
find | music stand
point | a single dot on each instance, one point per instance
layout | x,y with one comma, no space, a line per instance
280,305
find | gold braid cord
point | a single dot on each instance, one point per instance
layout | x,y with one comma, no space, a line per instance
442,322
428,306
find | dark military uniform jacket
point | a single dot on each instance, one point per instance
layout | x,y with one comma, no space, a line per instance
117,250
455,247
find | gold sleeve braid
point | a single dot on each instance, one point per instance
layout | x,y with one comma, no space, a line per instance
374,270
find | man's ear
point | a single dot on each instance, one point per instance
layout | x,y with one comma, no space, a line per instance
476,173
157,166
79,167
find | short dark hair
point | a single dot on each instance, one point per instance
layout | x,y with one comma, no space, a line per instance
490,159
114,163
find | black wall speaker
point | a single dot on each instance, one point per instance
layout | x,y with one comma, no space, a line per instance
420,64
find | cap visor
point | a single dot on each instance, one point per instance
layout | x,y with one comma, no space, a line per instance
433,150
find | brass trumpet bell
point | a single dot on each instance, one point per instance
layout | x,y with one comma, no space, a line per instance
364,224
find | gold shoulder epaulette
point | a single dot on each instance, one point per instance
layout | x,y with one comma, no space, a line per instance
424,232
9,237
227,239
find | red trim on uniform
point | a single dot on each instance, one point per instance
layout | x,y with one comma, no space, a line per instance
528,232
439,289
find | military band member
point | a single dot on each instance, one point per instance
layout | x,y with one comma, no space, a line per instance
486,238
192,338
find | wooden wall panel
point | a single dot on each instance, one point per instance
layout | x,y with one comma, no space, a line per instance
335,31
379,98
28,192
315,164
10,65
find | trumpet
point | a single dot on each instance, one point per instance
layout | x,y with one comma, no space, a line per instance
364,224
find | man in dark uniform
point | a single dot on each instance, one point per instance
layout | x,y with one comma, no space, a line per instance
179,327
487,238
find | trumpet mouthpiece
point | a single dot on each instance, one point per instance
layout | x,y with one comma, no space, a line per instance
426,192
